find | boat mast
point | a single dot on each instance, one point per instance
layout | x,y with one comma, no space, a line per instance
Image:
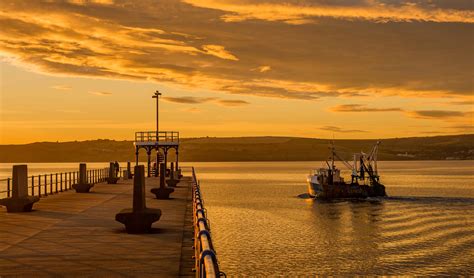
332,154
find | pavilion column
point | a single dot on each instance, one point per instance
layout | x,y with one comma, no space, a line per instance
148,153
157,162
177,159
166,159
136,155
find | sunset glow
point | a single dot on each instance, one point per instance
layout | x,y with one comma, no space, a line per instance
78,70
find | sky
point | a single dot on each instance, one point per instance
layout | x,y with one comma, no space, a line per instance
83,70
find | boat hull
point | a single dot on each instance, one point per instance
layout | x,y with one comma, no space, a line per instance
343,190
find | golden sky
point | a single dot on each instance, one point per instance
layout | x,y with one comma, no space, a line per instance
86,69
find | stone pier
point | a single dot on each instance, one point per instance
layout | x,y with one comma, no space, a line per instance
71,234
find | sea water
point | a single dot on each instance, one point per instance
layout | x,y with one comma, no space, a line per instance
263,223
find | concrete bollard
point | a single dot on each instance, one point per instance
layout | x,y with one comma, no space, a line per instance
139,218
112,178
83,173
125,174
83,186
162,192
172,182
129,170
20,201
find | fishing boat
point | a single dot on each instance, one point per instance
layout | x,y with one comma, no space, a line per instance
327,183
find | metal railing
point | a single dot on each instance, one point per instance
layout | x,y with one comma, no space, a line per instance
153,136
206,264
47,184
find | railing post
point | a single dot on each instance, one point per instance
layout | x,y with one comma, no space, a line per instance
56,182
61,182
51,184
70,181
32,185
45,185
8,187
39,185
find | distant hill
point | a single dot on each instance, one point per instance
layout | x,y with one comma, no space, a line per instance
246,149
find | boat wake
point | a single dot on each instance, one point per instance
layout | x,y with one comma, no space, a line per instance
304,196
432,199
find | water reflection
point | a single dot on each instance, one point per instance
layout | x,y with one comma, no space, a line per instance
265,225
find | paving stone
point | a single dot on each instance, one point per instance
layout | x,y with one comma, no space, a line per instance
70,234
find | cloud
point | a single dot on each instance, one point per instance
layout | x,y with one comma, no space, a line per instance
232,102
187,99
362,108
262,68
191,110
186,44
219,51
200,100
100,93
62,87
465,128
462,102
304,12
341,130
89,2
436,114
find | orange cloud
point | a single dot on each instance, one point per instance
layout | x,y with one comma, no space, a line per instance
262,68
99,93
199,51
436,114
62,87
341,130
199,100
232,102
218,51
363,108
296,12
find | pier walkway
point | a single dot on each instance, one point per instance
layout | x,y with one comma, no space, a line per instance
71,234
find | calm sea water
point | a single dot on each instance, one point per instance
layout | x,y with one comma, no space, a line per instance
263,225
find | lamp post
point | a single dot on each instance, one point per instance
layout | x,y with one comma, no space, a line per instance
157,96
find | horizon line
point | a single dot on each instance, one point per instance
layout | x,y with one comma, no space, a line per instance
233,137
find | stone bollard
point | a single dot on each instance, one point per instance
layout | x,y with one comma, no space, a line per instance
172,182
139,218
112,178
83,186
162,192
20,201
129,170
125,174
